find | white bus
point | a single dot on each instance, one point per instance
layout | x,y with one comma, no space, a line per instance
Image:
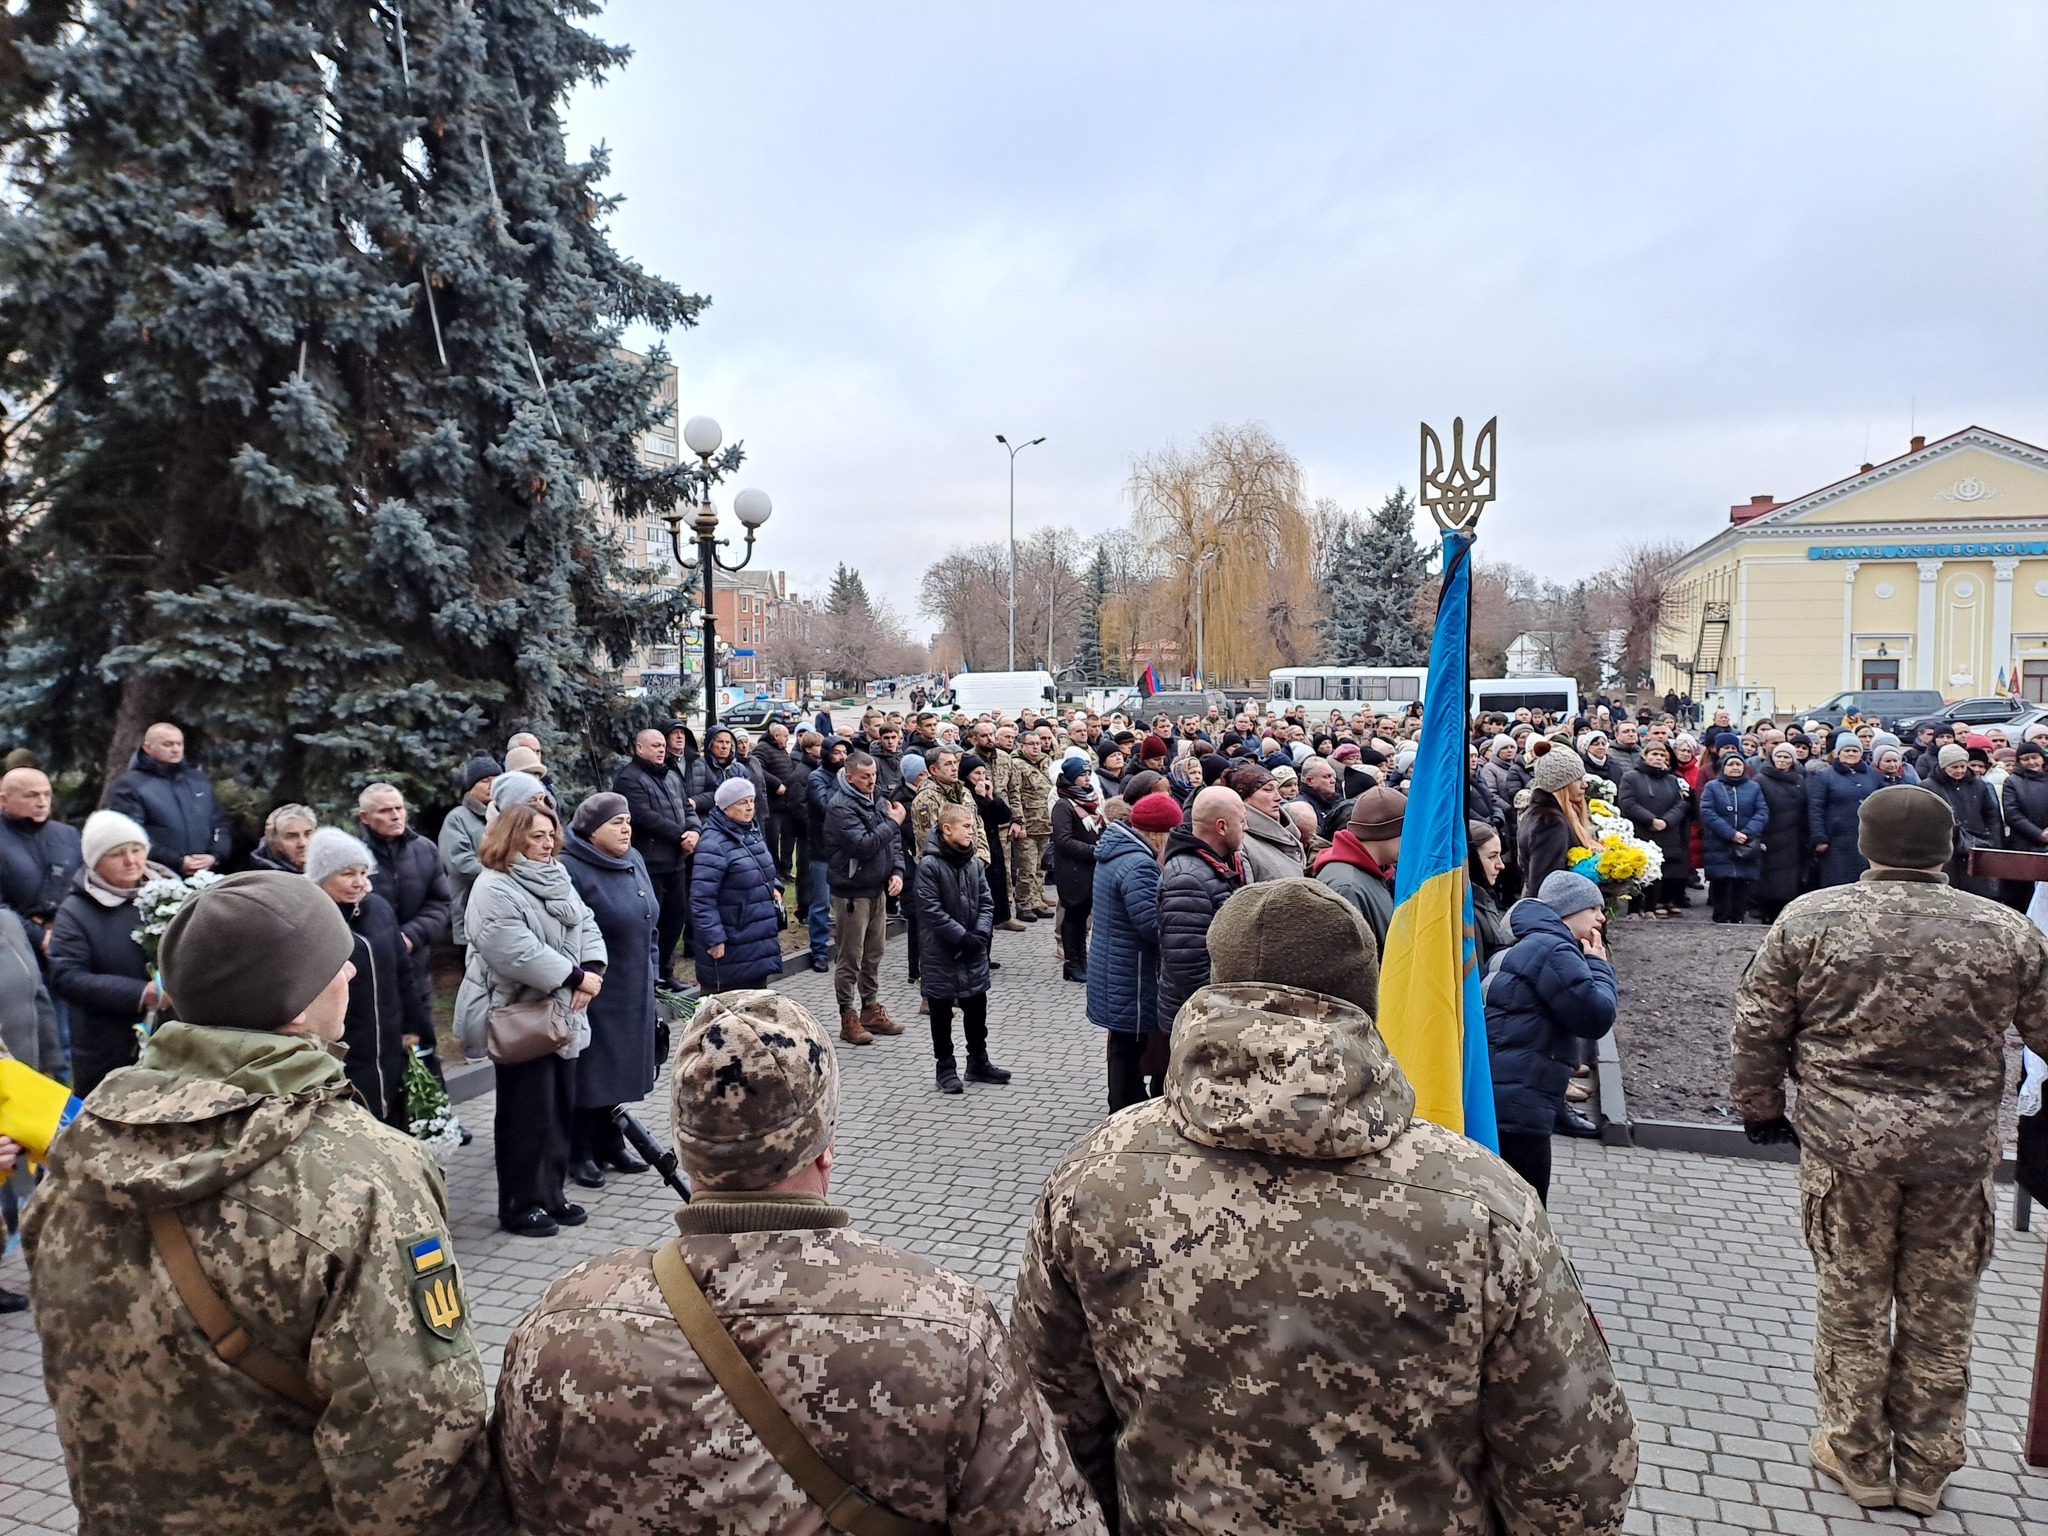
1321,689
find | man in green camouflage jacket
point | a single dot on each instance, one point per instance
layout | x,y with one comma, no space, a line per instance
1028,788
1887,1002
1271,1300
899,1374
323,1232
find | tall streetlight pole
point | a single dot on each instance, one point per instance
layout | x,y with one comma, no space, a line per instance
1013,537
752,507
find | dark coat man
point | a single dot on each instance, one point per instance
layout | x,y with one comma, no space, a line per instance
666,827
408,873
39,855
1201,871
866,847
174,802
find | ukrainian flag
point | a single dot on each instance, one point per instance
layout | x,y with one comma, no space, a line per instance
1430,1009
33,1108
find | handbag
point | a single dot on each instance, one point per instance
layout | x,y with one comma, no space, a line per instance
527,1031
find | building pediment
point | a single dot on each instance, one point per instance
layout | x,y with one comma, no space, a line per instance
1973,477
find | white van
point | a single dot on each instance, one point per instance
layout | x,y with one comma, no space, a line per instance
1504,695
980,692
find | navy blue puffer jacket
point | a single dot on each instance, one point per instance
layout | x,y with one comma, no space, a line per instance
734,901
1123,946
1726,808
1834,799
176,807
1547,996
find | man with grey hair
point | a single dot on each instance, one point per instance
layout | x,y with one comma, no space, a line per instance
895,1374
408,874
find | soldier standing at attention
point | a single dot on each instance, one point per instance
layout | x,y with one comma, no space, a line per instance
1273,1301
1897,1126
251,1316
773,1364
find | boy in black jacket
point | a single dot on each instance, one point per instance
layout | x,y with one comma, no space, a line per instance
955,917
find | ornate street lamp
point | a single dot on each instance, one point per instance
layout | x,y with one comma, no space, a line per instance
701,435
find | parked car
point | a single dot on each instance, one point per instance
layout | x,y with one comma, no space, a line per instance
1998,709
1176,705
759,714
1890,705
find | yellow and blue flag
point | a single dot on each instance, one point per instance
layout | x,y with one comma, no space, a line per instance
33,1108
1431,1014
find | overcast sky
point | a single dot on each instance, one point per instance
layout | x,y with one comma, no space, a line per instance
1686,253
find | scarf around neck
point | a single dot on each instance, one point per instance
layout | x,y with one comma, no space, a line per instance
549,883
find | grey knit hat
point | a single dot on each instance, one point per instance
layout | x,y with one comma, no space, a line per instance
1950,755
1557,769
253,950
333,850
732,791
1565,893
754,1090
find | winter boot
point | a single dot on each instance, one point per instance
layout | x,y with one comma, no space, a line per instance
1010,925
981,1070
876,1021
949,1078
850,1030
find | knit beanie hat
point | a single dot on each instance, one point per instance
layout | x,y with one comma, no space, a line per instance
480,767
754,1090
1377,814
251,951
332,850
523,760
515,788
1154,746
913,767
1072,771
1565,893
1557,768
595,811
1300,933
105,831
1950,755
732,791
1156,813
1906,827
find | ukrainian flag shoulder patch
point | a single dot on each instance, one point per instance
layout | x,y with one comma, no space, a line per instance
435,1285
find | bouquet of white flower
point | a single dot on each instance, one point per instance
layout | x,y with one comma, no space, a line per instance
156,903
428,1107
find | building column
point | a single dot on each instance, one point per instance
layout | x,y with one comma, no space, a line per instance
2001,621
1923,638
1849,677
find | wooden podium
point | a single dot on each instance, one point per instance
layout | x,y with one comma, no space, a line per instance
2007,864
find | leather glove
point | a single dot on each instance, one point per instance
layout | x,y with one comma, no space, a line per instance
1774,1132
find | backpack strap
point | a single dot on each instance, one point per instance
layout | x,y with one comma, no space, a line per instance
846,1507
223,1330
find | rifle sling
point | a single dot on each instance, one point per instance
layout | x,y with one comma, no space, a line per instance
223,1330
846,1507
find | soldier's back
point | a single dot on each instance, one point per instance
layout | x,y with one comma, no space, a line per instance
899,1374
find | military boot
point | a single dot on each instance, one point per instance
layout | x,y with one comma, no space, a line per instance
1865,1495
876,1021
981,1070
850,1030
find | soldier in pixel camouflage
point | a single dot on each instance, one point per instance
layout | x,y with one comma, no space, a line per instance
1272,1300
898,1374
1887,1002
1028,788
322,1233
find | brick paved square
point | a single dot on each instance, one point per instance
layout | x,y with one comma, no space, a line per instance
1693,1263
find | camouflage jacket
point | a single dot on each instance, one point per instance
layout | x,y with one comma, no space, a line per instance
1887,1002
898,1373
326,1234
1272,1301
1030,795
933,797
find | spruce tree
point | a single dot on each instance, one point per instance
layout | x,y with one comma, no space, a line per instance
1369,571
848,594
308,331
1088,670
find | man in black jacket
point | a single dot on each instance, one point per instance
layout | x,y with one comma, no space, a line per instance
788,779
864,833
39,855
174,802
1201,871
665,828
408,874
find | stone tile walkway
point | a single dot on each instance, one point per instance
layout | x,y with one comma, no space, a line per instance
1694,1264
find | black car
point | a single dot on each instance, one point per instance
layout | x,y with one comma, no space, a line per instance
1996,709
759,714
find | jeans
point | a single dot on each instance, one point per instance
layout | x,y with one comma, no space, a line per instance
818,906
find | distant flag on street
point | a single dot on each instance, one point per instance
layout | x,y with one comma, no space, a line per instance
1148,681
1431,1014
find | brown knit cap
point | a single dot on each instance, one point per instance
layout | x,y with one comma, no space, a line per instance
253,950
754,1090
1377,814
1298,932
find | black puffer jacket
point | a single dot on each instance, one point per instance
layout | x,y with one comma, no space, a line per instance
383,1008
1649,795
408,874
97,967
1977,826
786,771
956,914
1783,866
661,812
2026,809
867,848
1194,882
705,773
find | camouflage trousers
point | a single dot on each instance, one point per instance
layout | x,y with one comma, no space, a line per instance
1027,880
1896,1267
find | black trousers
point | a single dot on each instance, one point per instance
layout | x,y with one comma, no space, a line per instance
973,1024
785,831
1127,1084
1729,899
673,892
1530,1157
536,1107
593,1137
998,872
1074,936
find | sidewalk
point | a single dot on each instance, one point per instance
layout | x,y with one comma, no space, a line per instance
1694,1264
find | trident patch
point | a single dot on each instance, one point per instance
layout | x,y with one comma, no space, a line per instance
436,1287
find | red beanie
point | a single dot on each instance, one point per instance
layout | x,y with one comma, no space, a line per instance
1157,812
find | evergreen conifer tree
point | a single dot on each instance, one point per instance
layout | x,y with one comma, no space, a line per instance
848,594
1088,670
308,331
1369,572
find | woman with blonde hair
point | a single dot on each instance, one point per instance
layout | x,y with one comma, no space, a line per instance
286,832
531,937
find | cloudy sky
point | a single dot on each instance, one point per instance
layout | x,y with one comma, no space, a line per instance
1687,253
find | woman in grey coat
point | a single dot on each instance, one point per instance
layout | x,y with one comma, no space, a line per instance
1271,850
530,935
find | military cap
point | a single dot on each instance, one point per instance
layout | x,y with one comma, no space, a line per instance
1300,932
1906,827
755,1090
253,950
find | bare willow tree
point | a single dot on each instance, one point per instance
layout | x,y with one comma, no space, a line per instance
1233,508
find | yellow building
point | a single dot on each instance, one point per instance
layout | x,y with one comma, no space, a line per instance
1927,571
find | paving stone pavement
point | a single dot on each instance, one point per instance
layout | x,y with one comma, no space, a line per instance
1693,1263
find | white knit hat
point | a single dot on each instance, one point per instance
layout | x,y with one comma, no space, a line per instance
332,850
732,791
104,831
